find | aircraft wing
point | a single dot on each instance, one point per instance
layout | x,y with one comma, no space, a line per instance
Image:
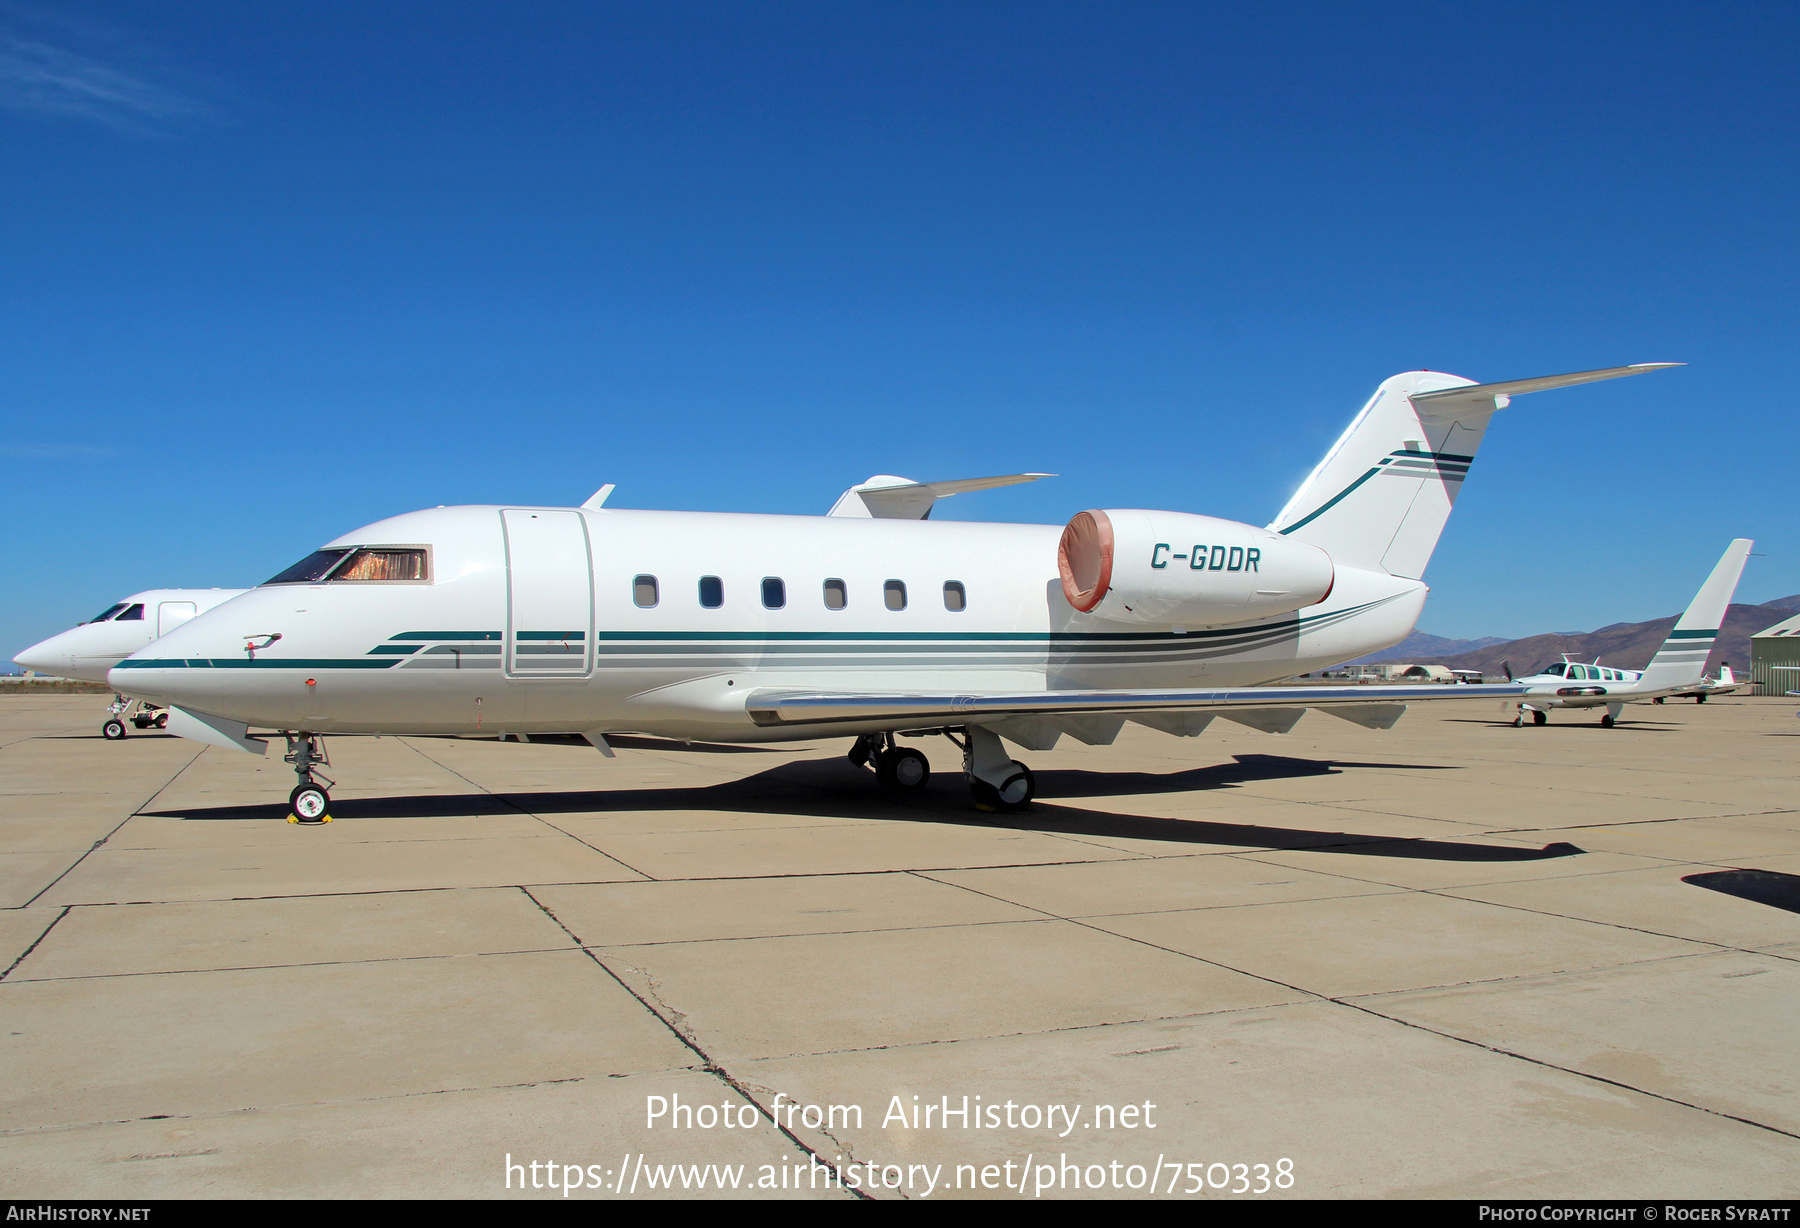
1271,708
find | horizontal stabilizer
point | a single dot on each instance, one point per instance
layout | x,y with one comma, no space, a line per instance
886,497
1448,403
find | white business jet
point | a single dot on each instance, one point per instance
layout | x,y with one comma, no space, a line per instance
1678,666
88,650
485,621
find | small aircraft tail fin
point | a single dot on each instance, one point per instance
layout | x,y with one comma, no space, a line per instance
1726,677
1681,661
1381,496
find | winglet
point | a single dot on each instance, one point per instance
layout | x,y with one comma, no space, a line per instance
598,498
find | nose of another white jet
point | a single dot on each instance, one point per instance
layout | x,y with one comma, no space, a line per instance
49,656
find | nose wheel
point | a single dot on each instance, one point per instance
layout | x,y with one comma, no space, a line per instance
309,803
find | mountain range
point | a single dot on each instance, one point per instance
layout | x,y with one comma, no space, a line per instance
1621,645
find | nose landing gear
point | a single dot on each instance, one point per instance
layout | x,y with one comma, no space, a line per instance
309,803
141,713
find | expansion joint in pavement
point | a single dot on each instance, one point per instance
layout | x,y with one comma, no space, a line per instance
671,1019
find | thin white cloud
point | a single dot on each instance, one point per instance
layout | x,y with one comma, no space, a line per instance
41,77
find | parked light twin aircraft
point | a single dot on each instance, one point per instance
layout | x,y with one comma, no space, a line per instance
1678,667
485,621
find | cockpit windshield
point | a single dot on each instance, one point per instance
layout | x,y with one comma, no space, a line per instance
107,613
383,564
361,564
1556,669
312,567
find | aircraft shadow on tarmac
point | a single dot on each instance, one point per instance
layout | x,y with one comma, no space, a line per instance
833,788
1758,886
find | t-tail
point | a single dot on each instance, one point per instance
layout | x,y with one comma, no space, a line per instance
1681,661
1380,497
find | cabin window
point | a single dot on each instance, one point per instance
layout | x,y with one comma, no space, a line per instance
311,568
774,593
107,613
712,592
954,596
380,564
894,594
644,592
134,614
836,595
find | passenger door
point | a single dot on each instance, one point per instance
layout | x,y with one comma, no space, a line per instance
549,594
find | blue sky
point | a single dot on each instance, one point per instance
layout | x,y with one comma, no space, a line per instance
274,271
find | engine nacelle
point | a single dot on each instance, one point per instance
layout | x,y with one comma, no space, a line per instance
1176,569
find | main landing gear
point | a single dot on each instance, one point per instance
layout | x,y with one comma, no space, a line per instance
309,803
1538,716
900,769
997,782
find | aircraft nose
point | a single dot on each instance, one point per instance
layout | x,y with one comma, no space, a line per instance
41,658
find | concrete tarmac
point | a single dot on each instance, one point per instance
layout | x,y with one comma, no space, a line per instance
1455,959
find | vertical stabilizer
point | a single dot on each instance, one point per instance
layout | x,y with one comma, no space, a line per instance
1381,496
1681,661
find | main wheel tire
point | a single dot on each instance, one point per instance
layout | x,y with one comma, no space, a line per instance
1538,718
309,804
1606,722
1018,789
1699,699
902,769
113,730
1657,700
1013,794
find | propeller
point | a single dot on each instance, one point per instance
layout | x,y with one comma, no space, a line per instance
1507,666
